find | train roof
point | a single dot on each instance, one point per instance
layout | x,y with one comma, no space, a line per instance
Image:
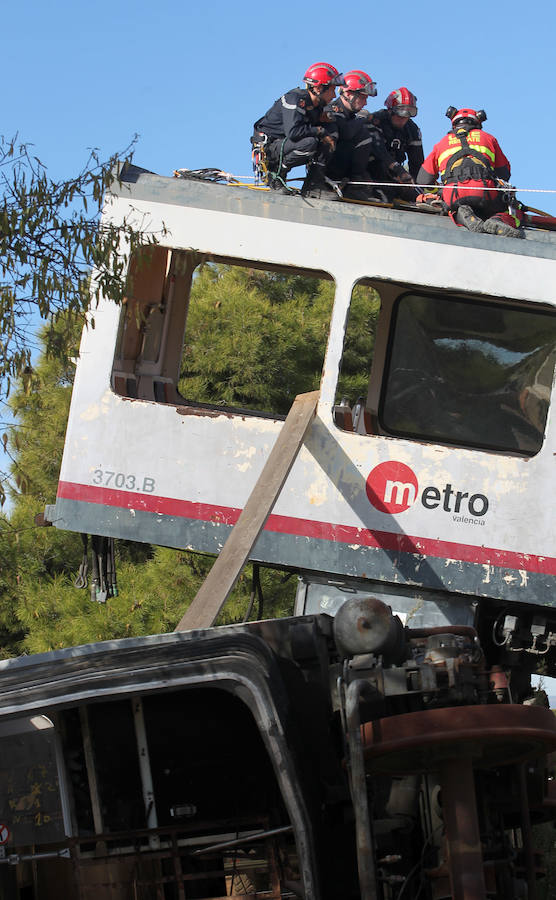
140,184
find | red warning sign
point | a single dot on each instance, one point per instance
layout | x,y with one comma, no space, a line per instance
4,834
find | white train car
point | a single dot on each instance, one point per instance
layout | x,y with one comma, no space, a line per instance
435,483
312,757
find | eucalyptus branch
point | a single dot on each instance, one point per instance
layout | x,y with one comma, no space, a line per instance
50,242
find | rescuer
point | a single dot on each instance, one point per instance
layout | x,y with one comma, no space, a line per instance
351,156
296,131
471,164
395,138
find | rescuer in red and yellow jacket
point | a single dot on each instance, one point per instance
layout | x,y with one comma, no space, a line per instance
471,164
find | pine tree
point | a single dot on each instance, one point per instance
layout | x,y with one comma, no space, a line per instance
254,339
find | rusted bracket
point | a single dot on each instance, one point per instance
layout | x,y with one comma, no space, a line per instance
220,581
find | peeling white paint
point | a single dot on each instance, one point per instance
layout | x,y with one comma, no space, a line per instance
91,413
247,451
317,492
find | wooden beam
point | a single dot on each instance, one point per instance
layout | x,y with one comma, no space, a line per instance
221,579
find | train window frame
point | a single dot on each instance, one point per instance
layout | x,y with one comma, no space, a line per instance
386,428
158,376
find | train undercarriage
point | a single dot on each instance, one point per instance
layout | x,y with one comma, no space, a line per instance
311,757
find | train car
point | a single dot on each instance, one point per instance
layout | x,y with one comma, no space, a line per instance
385,742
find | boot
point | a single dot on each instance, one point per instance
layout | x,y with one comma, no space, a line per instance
319,187
465,216
277,181
496,226
366,191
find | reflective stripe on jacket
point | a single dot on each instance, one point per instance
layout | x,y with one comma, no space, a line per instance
480,141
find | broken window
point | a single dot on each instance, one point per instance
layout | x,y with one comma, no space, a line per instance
199,330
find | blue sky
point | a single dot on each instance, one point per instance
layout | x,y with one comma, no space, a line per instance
191,79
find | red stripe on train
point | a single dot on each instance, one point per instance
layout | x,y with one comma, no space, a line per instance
344,534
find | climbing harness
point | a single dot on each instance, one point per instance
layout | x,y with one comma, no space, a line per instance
260,160
468,166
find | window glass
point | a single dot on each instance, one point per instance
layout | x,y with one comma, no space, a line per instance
470,373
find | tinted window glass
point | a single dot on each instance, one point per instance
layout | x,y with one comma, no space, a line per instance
469,373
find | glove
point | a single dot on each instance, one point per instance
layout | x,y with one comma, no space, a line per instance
329,141
326,116
400,174
430,200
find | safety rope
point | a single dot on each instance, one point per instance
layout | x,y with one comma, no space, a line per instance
229,178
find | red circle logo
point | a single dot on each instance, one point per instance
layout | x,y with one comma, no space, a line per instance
392,487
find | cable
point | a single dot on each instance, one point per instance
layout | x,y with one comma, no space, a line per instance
419,862
256,591
216,175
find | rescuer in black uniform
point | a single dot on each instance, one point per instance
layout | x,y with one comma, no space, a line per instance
351,156
395,138
296,131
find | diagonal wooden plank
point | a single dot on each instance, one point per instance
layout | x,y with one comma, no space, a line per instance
221,579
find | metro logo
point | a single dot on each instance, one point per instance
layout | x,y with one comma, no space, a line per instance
392,487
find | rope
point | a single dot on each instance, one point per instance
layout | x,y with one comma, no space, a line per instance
218,175
461,186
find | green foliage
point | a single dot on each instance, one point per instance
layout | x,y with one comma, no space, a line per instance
50,240
153,596
255,339
359,344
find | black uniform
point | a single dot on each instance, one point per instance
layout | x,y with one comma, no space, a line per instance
354,141
391,145
294,132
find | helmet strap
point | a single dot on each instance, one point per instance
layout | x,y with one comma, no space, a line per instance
316,91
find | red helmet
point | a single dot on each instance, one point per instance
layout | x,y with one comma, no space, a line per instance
323,74
402,102
357,80
469,117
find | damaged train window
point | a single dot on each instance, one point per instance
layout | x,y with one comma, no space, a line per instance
351,409
176,789
201,330
461,371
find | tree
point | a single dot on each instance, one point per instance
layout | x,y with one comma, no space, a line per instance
254,339
238,361
50,241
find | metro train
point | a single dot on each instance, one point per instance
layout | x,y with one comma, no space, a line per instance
385,742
